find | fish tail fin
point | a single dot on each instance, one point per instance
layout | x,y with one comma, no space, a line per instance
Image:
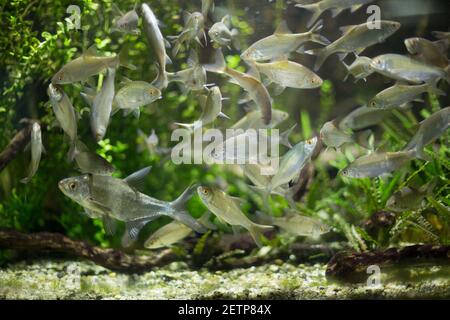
162,80
418,151
284,138
181,214
322,55
123,60
219,65
314,8
437,91
316,36
256,231
73,151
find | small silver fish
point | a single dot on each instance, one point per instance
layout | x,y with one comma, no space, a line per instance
363,117
227,209
336,6
157,41
296,224
378,164
193,78
434,53
282,43
112,198
174,232
211,110
255,89
102,106
409,198
90,162
253,120
65,114
36,151
398,95
290,74
403,68
360,68
193,30
355,39
429,130
127,22
88,65
333,137
223,35
134,95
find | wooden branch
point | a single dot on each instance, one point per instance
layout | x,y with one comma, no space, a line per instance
15,146
109,258
347,266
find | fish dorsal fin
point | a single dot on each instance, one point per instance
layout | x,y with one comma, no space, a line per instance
442,45
283,28
125,81
91,51
238,201
226,20
136,180
346,29
116,10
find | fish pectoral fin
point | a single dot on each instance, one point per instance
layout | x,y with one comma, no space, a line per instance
137,179
238,201
110,225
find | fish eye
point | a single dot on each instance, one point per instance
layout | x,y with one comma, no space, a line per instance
345,172
72,186
205,191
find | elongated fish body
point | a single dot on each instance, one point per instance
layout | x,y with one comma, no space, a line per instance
135,94
128,23
167,235
378,164
356,39
296,224
65,114
115,199
36,151
193,78
156,40
88,65
253,120
193,29
360,69
90,162
228,209
434,53
212,109
398,95
333,137
290,74
403,68
363,117
430,129
337,6
102,107
292,163
282,43
409,198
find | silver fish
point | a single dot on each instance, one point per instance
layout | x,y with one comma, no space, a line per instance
65,114
211,110
135,94
88,65
336,6
409,198
255,89
434,53
355,39
296,224
90,162
102,106
223,35
404,68
36,151
429,130
193,78
334,137
363,117
156,40
360,68
193,30
289,74
253,120
127,22
113,198
378,164
398,95
227,209
282,43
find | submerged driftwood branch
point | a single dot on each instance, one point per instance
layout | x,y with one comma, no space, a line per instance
15,146
112,259
345,266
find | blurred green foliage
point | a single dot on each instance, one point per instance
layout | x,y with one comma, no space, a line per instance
36,42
